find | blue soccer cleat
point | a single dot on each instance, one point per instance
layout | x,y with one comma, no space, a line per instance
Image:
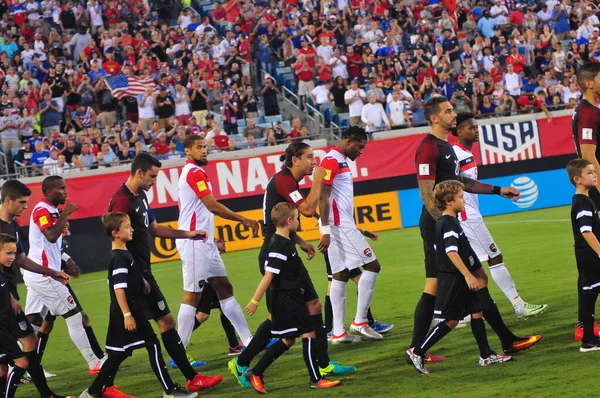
334,368
382,328
238,371
193,362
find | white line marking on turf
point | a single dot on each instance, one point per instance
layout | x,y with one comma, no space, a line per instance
528,221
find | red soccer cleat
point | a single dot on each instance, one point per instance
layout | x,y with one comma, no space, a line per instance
112,392
325,383
96,369
256,382
579,331
522,345
201,382
433,359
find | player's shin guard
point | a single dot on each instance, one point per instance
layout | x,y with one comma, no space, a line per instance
436,334
338,305
234,313
14,378
328,314
309,349
229,331
160,369
258,343
42,342
272,353
185,323
321,340
493,317
588,305
107,374
366,288
423,317
478,329
176,350
94,342
79,337
37,374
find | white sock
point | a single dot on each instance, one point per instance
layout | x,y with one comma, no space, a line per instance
234,313
505,282
77,334
337,294
366,287
185,323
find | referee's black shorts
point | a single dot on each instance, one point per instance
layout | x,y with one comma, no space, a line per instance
427,227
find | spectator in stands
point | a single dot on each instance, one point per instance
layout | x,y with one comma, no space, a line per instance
229,108
108,153
70,150
560,17
125,154
146,105
512,81
321,96
85,117
165,107
373,115
25,153
304,71
253,130
355,98
99,163
417,106
486,107
270,137
9,127
87,157
218,13
38,158
279,132
396,111
531,104
269,94
49,165
338,92
50,115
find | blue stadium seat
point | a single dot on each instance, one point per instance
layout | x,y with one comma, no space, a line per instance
265,125
258,120
14,152
241,122
280,73
344,120
242,131
272,119
286,125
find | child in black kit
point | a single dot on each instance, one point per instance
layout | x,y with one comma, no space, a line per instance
283,277
457,285
128,327
586,231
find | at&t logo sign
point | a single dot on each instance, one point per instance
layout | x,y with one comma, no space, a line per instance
529,191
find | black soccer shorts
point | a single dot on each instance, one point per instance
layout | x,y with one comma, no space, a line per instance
454,299
208,299
427,227
156,304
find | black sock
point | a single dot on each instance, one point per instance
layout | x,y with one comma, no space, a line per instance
587,307
37,374
107,372
321,340
274,352
493,317
437,333
3,386
43,340
14,378
328,314
175,349
309,349
478,329
259,341
196,323
423,317
370,317
160,369
93,342
229,331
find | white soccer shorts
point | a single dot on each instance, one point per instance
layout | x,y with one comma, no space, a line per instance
348,249
47,295
200,261
480,239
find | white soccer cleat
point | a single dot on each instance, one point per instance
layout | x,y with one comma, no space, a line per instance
345,339
463,322
48,374
494,358
531,310
365,330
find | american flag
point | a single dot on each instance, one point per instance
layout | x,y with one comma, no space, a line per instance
122,85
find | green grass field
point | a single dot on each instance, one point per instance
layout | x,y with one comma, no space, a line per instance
537,247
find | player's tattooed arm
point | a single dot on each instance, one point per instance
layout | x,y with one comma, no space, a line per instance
474,186
324,211
426,193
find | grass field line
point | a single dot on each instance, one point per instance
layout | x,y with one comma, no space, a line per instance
527,221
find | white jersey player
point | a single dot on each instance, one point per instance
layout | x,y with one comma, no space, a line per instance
45,294
201,260
475,229
345,244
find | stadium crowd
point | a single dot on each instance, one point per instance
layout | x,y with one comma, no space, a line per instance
215,68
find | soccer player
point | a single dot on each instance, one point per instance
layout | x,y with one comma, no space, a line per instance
586,130
9,347
435,162
46,226
298,163
15,197
457,284
467,131
128,327
131,199
346,246
285,279
201,260
586,231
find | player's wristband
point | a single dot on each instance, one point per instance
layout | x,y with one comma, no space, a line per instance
254,302
65,257
325,230
125,315
497,190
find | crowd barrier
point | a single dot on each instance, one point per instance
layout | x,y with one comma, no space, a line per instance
523,152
